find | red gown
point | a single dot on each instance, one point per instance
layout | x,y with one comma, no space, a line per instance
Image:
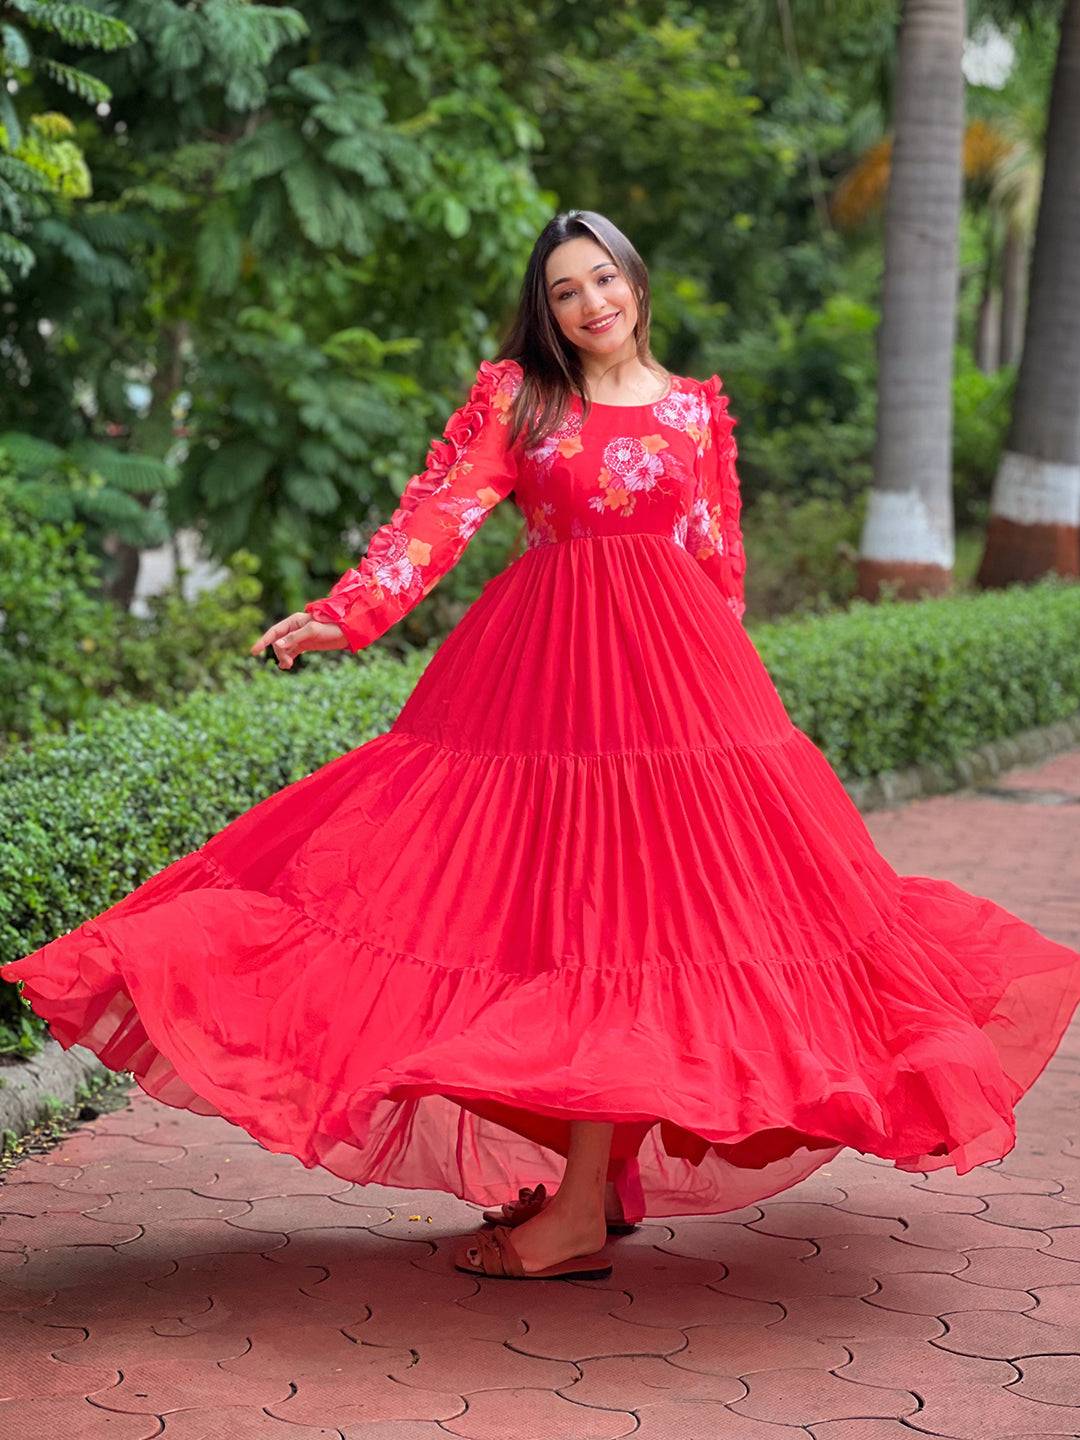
592,871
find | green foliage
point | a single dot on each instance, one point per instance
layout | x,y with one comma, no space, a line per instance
884,686
982,405
64,651
39,156
878,688
805,398
89,482
803,553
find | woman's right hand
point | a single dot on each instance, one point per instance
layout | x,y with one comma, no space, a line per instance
299,632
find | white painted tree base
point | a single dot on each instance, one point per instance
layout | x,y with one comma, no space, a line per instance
1031,491
900,528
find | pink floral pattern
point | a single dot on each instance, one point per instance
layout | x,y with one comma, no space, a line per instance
464,476
666,468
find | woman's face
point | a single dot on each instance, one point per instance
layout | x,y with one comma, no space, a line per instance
584,286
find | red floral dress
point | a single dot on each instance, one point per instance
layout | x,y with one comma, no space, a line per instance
592,870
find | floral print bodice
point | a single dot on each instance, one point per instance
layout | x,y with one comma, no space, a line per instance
666,468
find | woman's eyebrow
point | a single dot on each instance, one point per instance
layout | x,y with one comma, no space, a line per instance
564,278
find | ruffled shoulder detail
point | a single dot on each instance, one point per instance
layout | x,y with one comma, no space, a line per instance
490,397
721,440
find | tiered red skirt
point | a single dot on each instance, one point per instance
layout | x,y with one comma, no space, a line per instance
592,871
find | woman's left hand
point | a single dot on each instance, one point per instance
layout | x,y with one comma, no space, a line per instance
299,632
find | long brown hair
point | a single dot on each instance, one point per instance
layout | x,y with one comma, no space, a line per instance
552,366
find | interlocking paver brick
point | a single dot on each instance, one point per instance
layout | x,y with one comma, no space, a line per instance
293,1350
1019,1269
120,1176
85,1148
482,1364
157,1386
678,1306
962,1409
673,1420
35,1232
289,1213
364,1394
71,1418
1053,1379
153,1206
1058,1304
998,1334
737,1350
986,1180
580,1337
839,1317
38,1197
878,1255
538,1414
257,1175
924,1294
635,1382
903,1362
416,1320
816,1222
863,1429
804,1396
1063,1245
237,1422
969,1232
1030,1212
87,1266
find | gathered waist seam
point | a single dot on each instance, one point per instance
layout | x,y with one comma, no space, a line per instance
615,535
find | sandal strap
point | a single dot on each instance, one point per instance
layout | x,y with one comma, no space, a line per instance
495,1253
527,1203
509,1260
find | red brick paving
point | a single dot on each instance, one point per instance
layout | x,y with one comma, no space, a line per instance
161,1274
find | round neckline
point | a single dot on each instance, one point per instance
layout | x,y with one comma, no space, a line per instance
645,405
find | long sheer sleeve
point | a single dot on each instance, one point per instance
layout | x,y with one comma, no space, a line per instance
464,476
714,531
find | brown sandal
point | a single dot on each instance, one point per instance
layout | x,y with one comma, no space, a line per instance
530,1202
491,1253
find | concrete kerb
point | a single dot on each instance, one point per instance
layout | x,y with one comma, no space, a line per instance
975,767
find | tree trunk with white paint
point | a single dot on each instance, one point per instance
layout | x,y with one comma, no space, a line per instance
1035,506
908,536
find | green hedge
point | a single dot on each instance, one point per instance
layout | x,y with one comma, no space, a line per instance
90,815
882,687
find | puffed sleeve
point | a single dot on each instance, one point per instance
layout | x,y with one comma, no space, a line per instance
714,529
464,476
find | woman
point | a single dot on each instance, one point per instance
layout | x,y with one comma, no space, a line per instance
592,894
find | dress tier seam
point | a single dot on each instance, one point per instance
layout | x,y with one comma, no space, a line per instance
656,750
884,925
610,535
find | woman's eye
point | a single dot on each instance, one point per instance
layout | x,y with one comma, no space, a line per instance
567,293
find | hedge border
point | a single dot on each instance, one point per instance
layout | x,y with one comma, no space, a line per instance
974,767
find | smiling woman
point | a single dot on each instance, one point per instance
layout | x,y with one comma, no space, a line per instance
592,894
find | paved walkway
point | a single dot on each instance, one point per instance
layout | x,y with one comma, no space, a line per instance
163,1274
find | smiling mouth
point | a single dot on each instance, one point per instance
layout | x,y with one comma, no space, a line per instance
604,324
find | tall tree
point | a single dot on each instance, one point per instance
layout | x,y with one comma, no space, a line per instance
1035,507
907,537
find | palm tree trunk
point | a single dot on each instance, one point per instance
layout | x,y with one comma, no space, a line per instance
907,537
1035,506
1014,262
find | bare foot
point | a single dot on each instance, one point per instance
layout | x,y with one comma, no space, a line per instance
552,1236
